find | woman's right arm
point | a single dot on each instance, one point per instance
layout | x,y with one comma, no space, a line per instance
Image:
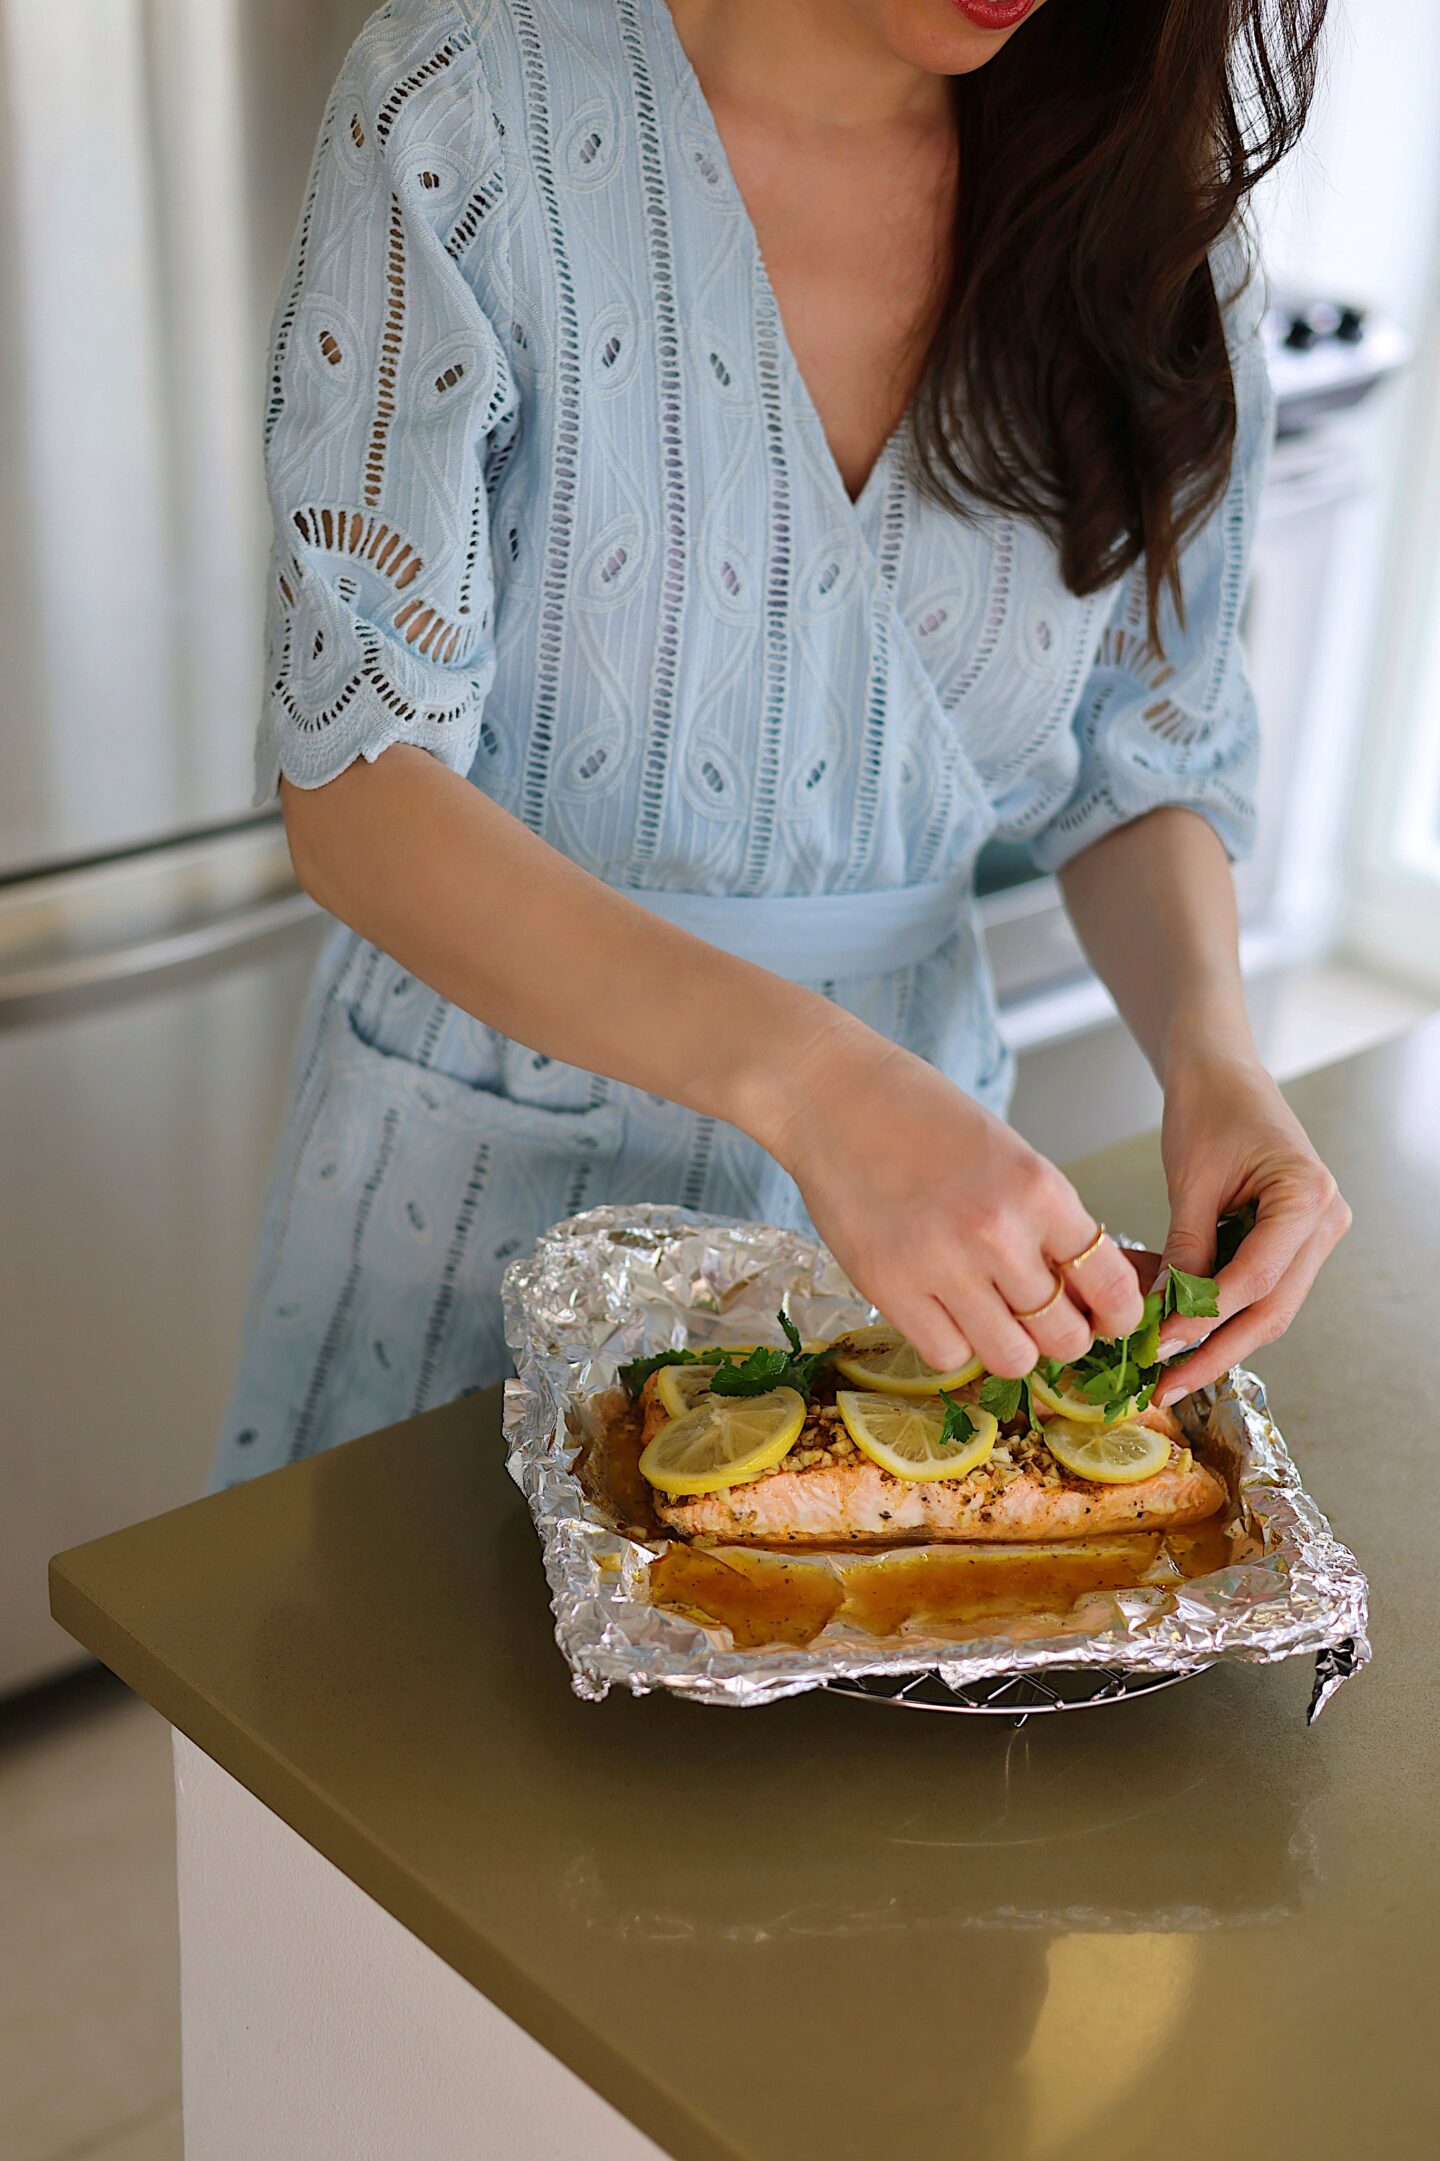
940,1214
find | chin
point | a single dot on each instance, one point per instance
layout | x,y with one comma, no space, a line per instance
936,34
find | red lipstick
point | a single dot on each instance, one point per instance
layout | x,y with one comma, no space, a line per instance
995,14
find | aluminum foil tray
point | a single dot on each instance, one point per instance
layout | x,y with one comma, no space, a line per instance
617,1283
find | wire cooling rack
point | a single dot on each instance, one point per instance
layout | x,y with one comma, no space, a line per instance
1011,1695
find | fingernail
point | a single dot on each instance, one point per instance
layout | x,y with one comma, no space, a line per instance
1170,1342
1167,1396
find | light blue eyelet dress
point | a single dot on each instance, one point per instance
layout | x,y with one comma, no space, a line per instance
551,499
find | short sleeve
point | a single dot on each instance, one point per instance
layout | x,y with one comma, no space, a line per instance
1181,730
386,385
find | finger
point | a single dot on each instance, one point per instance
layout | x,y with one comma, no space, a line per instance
1065,1332
1249,1331
1060,1330
1260,1265
1281,1231
999,1339
1190,1240
1106,1286
1098,1281
1254,1327
1190,1245
939,1339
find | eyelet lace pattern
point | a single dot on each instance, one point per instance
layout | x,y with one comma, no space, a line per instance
551,500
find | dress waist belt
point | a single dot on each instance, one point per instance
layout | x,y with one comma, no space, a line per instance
816,937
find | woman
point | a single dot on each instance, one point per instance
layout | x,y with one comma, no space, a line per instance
728,460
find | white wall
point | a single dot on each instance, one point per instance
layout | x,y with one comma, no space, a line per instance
1355,215
1355,210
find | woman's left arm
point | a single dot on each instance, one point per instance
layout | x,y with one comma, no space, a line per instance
1154,905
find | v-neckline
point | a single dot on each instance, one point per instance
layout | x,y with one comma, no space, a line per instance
688,84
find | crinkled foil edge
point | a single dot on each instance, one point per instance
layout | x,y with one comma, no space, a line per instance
614,1283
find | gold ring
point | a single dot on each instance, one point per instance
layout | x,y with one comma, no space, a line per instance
1076,1258
1036,1311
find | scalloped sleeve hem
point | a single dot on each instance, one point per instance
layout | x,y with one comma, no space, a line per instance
388,385
308,752
1232,820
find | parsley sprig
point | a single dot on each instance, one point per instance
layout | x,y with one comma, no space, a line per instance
1113,1372
1124,1371
1119,1373
638,1370
756,1374
1002,1398
959,1425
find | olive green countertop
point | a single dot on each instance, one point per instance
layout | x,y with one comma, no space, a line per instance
836,1929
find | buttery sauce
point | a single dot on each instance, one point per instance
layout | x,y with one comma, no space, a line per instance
762,1595
608,1463
1202,1548
940,1589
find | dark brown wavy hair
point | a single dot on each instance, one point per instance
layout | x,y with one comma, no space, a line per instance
1079,374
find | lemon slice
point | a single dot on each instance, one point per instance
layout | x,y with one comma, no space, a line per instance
879,1357
1118,1455
904,1437
1067,1402
723,1441
681,1387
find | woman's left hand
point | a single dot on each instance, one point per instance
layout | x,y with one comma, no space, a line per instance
1229,1137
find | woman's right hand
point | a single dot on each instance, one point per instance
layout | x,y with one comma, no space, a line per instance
940,1214
937,1211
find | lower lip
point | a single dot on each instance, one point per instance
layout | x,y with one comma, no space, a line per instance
995,14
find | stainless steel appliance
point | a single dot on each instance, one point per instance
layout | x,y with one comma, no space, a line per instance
153,948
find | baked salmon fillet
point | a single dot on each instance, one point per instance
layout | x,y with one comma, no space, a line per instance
825,1492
